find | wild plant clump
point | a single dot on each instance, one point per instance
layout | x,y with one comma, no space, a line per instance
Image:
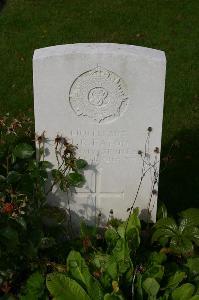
122,260
24,236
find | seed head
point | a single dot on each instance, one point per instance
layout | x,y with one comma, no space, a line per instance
154,192
11,130
58,140
40,138
157,150
2,122
16,124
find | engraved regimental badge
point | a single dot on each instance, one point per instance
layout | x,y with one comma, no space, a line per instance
98,94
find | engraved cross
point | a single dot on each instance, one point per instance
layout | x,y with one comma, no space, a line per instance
98,194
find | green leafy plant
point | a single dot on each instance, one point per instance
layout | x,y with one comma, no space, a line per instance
34,288
63,287
115,271
40,258
27,240
178,239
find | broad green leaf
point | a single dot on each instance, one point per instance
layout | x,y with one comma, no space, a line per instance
121,230
196,297
81,164
106,281
76,179
167,223
191,215
184,223
100,260
161,211
108,266
192,233
184,292
133,236
95,291
62,287
163,241
151,286
78,269
181,245
193,265
175,280
133,221
157,258
109,269
13,177
131,227
23,151
34,287
162,233
111,236
112,268
121,254
155,271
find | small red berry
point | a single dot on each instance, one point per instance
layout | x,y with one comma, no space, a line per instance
8,208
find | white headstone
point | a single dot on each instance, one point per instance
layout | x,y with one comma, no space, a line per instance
104,97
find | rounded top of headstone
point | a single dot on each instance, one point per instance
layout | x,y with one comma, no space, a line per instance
58,50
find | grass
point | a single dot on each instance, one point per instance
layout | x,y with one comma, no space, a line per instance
169,25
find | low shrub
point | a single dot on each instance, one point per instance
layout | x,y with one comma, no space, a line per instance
44,260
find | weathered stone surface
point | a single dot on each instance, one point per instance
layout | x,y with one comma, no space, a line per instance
103,97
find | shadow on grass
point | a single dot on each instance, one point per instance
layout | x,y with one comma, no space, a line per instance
2,3
179,172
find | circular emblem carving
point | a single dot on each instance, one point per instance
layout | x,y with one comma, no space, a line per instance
98,94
